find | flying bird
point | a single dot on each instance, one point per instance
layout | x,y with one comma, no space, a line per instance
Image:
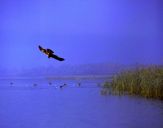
50,53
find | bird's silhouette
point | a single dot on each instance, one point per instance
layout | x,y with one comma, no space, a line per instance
50,53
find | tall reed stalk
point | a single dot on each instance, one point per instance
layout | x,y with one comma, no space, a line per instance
144,81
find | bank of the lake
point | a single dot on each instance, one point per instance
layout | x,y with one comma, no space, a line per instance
143,81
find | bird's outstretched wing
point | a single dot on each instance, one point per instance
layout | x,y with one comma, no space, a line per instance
57,58
42,49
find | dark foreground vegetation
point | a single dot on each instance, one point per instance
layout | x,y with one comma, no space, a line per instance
143,81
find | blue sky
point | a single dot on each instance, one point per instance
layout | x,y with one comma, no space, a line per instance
81,31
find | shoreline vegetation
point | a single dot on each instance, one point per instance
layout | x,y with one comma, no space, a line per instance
142,81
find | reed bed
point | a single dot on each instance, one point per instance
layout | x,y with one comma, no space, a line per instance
143,81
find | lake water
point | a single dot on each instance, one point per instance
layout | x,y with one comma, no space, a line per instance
43,103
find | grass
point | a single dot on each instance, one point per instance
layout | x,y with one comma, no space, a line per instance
143,81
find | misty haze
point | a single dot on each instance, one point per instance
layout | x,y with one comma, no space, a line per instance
81,64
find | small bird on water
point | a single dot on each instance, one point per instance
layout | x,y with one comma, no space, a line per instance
11,83
50,53
50,83
61,86
35,84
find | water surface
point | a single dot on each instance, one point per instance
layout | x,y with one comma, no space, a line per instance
43,103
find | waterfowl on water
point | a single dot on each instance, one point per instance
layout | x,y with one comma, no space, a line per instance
50,83
79,84
50,53
11,83
61,86
34,84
